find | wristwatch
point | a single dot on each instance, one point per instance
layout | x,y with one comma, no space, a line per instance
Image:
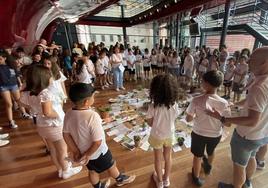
223,119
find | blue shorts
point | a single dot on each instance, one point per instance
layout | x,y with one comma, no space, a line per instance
243,149
9,88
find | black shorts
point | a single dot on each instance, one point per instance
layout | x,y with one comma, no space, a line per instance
238,88
154,67
101,164
200,143
146,68
227,83
126,69
131,71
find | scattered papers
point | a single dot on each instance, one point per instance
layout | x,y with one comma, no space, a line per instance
176,148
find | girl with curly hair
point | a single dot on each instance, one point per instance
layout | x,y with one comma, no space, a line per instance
161,116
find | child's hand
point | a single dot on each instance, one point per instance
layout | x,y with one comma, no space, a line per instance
77,156
84,159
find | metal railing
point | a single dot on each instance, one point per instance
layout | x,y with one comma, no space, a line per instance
257,18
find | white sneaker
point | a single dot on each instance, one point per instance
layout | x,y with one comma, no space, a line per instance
166,183
60,171
12,124
4,136
71,172
159,184
122,88
26,116
4,142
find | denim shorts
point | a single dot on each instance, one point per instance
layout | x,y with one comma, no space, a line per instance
9,88
243,149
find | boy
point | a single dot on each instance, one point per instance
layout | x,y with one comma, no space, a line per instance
207,131
85,138
228,77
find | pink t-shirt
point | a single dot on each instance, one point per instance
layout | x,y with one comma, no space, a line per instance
85,127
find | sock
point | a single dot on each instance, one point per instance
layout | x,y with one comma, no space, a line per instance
121,177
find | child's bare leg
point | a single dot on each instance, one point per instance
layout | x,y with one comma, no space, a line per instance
168,162
158,163
262,153
113,171
94,177
197,166
53,154
211,159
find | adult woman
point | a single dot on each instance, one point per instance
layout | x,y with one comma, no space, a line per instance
117,68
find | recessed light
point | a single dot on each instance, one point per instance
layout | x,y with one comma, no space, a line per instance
157,10
151,13
165,6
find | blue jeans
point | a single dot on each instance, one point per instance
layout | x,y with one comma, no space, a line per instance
118,77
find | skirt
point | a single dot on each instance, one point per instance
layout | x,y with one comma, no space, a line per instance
51,133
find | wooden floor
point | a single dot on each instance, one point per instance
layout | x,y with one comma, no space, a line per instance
24,164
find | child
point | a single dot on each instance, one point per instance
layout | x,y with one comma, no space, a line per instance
85,137
207,131
138,63
161,116
240,73
146,64
188,67
49,117
228,77
100,69
57,85
153,59
160,61
9,79
131,59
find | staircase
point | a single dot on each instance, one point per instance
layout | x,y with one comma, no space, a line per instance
238,20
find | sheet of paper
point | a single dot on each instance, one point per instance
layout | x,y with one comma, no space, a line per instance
176,148
188,141
119,138
145,146
113,132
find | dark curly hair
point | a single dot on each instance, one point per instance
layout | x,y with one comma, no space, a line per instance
164,90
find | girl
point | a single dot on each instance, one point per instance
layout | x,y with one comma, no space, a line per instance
146,64
49,114
228,77
57,86
9,89
82,74
154,62
131,59
169,62
118,69
138,63
176,61
239,80
67,61
161,116
100,69
203,66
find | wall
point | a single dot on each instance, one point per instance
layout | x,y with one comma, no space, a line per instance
233,42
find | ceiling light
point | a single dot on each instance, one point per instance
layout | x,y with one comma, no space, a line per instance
151,13
140,18
144,16
165,6
175,1
157,10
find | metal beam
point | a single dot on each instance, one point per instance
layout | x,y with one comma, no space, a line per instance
225,23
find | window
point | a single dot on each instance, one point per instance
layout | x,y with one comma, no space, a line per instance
119,38
93,38
111,38
103,38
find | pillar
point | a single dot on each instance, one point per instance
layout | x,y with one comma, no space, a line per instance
225,22
124,28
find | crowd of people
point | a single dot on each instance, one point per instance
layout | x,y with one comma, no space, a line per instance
36,85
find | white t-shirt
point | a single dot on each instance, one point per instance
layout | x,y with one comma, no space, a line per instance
205,125
146,60
176,61
160,59
57,89
131,59
117,59
35,103
154,59
241,69
203,66
84,76
229,74
106,63
91,68
163,120
85,128
100,66
188,63
257,100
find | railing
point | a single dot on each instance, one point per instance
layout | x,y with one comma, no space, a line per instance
206,20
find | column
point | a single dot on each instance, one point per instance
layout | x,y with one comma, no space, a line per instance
177,31
124,28
155,33
225,23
